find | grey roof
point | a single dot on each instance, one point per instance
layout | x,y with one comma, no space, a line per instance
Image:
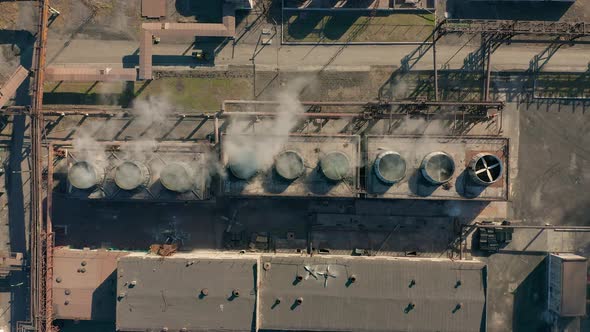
167,293
377,300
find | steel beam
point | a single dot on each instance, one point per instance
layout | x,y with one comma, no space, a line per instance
577,29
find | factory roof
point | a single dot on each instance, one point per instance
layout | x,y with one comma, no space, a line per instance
371,294
153,8
84,283
192,291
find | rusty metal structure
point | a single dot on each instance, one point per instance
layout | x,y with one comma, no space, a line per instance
41,236
578,29
14,81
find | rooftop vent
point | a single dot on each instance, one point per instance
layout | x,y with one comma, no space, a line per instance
438,167
177,177
335,165
83,175
289,165
485,169
129,175
390,167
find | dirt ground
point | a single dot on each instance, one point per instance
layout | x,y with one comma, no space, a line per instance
8,14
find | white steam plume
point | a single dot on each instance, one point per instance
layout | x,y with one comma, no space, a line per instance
260,148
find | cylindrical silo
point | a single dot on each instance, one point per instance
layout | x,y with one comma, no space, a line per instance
438,167
177,177
390,167
84,175
129,175
289,165
335,165
485,168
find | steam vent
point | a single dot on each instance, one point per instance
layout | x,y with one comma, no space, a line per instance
289,165
390,167
130,174
485,169
83,175
177,177
335,165
438,167
244,166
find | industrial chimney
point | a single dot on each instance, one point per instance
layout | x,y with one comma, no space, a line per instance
177,177
437,167
129,175
289,165
84,175
485,169
390,167
335,165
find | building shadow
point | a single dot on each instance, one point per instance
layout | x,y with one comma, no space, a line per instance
209,11
104,300
530,301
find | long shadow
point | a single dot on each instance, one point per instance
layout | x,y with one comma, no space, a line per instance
530,301
24,40
494,10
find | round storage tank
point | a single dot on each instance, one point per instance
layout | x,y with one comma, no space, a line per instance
129,175
244,166
438,167
177,177
335,165
390,167
289,165
485,168
83,175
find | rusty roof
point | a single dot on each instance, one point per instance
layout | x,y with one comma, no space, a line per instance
84,283
86,74
9,88
153,8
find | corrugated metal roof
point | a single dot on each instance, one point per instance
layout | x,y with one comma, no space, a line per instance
9,88
157,292
153,8
77,74
387,295
145,55
87,284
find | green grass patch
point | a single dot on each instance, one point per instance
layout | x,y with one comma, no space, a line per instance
187,93
355,27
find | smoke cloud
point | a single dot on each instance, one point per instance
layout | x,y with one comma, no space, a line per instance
258,148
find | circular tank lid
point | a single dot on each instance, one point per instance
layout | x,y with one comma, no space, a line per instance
438,167
83,175
485,168
335,165
244,166
289,165
177,177
129,175
390,167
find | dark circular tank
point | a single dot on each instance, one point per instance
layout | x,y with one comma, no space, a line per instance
83,175
289,165
389,167
438,167
244,166
335,165
177,177
130,174
485,168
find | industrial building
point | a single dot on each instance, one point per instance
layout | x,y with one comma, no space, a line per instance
205,291
263,165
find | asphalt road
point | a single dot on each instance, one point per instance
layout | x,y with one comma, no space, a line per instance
517,56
